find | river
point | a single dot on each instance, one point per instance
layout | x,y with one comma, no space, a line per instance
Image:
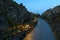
42,31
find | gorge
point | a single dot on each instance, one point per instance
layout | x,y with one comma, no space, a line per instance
16,22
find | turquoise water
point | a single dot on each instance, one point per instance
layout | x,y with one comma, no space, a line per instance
42,31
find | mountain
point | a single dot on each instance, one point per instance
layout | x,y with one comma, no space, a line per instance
15,20
52,16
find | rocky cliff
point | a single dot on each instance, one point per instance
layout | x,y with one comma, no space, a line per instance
52,16
14,19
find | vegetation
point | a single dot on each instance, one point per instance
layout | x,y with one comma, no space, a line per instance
52,16
15,20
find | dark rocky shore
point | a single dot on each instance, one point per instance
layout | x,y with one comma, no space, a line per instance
15,20
52,16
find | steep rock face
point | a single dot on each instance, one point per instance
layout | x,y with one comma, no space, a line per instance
12,15
53,20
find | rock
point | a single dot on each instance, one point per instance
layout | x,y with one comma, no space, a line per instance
52,16
12,15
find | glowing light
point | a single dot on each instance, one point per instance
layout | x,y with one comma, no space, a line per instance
27,26
28,37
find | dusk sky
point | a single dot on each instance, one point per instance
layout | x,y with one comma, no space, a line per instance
38,6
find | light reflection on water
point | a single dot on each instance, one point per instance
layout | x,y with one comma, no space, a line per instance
41,32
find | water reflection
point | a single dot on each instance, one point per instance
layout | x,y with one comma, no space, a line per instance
41,32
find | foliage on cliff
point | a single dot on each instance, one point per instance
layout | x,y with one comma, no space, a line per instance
13,15
52,16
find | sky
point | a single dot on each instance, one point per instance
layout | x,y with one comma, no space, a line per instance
38,6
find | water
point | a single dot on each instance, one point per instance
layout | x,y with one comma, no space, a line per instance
42,31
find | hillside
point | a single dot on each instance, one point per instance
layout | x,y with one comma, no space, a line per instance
15,20
52,16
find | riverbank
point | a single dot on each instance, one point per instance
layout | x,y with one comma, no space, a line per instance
42,31
52,16
15,20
